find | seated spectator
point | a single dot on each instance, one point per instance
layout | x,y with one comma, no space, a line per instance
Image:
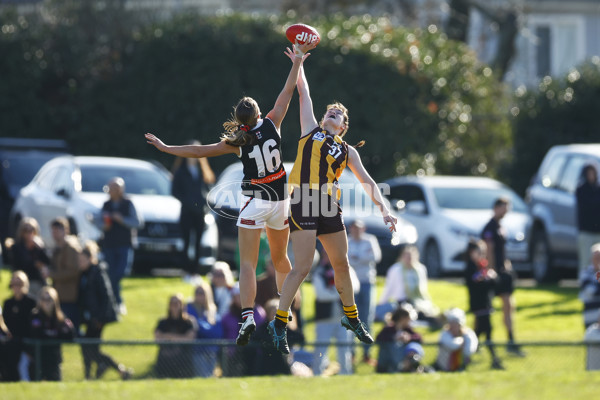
589,292
406,281
204,310
98,307
28,254
4,340
457,343
175,361
64,269
400,348
221,281
48,322
481,280
592,338
17,314
236,358
328,312
268,361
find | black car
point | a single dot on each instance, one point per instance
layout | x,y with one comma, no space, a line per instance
20,160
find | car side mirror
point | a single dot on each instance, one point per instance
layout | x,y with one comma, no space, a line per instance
416,207
63,193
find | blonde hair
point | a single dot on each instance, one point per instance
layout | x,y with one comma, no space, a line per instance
90,249
50,291
29,223
223,267
244,117
22,276
208,305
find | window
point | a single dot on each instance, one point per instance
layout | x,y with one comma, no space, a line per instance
550,176
571,176
543,51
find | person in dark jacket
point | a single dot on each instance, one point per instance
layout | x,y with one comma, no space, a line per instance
480,280
48,323
588,214
17,311
120,222
98,307
190,179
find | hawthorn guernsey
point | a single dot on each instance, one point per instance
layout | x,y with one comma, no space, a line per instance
302,33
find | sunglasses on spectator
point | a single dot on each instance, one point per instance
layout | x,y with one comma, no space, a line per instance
15,284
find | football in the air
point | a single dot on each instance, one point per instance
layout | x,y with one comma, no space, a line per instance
302,33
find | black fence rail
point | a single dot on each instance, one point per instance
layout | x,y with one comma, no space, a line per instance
222,358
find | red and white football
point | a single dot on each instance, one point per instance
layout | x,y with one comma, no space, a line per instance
302,33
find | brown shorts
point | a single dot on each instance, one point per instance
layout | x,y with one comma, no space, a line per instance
313,210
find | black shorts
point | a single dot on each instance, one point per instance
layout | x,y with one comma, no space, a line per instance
505,283
313,210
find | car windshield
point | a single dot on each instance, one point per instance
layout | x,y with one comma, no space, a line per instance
470,198
137,180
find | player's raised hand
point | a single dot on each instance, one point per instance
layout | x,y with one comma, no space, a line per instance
392,221
156,142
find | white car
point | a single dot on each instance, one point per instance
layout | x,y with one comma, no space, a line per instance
447,211
224,200
74,187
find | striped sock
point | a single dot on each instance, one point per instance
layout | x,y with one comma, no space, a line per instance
352,313
281,318
246,312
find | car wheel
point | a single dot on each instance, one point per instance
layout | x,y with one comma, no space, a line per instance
541,259
433,259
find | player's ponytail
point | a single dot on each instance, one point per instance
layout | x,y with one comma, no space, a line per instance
359,144
245,116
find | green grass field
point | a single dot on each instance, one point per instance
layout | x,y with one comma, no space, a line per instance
545,314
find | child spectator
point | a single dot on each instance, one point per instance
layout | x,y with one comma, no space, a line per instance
175,361
48,322
28,254
17,313
204,310
400,348
98,307
589,292
480,280
457,343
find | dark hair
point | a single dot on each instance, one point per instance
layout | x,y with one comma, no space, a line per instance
474,244
501,201
245,116
60,222
400,313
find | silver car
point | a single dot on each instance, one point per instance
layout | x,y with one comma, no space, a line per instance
74,187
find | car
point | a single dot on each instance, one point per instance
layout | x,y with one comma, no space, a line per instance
449,210
20,159
74,186
551,200
224,200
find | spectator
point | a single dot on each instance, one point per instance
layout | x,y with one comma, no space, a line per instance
17,312
64,270
588,214
98,307
28,254
120,221
328,311
457,343
364,254
175,360
494,236
190,179
221,281
400,348
5,338
48,322
589,292
237,359
592,338
266,360
204,310
406,281
480,280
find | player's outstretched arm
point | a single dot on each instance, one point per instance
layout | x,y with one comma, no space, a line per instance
356,166
308,122
192,150
298,55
